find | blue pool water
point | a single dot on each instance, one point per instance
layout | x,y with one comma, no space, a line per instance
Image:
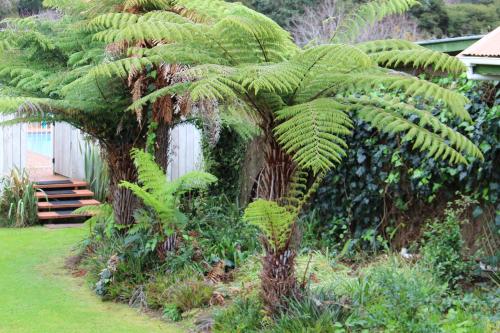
40,143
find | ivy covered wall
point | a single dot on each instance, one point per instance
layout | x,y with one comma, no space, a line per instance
383,188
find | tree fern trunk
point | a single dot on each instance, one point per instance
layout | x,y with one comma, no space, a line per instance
278,280
162,144
274,179
122,167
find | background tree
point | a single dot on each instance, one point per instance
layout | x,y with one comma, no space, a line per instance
7,7
44,63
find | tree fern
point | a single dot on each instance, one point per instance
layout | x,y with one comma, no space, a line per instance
160,194
275,222
312,133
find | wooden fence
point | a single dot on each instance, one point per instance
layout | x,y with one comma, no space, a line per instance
69,145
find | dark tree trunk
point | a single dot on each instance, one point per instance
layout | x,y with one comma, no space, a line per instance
162,144
122,167
278,280
274,179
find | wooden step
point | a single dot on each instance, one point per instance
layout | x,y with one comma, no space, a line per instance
63,204
55,184
59,194
60,214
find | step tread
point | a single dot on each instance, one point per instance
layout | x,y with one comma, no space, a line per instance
54,194
60,214
59,204
64,183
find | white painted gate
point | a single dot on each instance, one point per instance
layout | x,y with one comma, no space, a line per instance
12,147
68,151
186,154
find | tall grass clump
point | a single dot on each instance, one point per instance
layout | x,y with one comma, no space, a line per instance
17,200
96,172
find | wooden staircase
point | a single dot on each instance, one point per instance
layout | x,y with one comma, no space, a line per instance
57,199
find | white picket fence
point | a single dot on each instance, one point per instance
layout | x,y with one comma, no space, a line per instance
69,142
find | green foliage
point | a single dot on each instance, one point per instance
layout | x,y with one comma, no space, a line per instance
367,14
250,61
471,19
244,315
315,312
444,248
432,17
191,294
382,187
395,297
281,11
96,172
311,132
207,217
18,202
274,221
162,195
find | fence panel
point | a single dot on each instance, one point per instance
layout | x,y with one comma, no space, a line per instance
68,151
12,146
186,154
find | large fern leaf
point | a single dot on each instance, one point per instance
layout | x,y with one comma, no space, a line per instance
368,14
312,133
275,222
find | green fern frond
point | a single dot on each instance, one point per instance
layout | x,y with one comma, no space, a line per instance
332,83
368,14
155,4
121,67
113,21
274,221
419,58
150,30
425,120
160,194
388,120
283,77
376,46
150,175
311,133
179,89
185,53
194,180
215,88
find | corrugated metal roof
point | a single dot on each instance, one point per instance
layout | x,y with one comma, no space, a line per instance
488,46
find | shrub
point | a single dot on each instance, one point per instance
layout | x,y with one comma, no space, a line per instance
392,296
314,312
443,247
96,172
191,294
244,315
18,201
207,217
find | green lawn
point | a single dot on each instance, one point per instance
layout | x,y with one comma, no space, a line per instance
37,295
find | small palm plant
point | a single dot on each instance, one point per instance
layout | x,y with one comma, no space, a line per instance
163,197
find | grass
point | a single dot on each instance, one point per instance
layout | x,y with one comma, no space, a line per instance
38,295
